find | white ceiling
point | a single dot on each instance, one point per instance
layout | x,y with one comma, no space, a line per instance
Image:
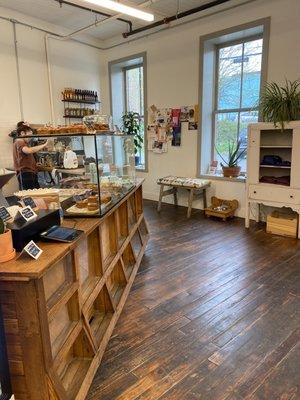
72,18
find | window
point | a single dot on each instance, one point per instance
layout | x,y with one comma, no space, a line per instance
134,102
127,89
238,77
233,69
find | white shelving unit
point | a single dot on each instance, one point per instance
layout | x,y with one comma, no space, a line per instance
283,186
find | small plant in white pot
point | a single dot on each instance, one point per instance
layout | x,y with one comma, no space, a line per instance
7,252
230,167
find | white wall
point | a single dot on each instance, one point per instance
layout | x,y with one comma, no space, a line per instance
173,69
72,65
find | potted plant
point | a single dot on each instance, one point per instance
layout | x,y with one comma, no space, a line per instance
7,252
132,126
230,168
280,104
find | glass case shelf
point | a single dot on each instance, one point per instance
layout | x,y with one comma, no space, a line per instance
84,174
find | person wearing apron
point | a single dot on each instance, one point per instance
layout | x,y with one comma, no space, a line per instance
24,160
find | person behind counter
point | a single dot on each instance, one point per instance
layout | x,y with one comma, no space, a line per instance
13,134
24,160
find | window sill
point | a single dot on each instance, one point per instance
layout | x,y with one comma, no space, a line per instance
240,179
141,169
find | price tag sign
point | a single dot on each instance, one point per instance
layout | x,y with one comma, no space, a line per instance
33,250
4,214
28,201
27,213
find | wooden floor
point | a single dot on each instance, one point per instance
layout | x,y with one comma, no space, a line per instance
214,314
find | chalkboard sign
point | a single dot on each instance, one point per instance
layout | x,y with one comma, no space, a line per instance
33,250
28,201
27,213
4,214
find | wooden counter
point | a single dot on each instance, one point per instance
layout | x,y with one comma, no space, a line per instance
59,312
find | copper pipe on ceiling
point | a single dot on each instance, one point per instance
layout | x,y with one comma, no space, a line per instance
180,15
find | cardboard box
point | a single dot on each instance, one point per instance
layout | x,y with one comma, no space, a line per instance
283,224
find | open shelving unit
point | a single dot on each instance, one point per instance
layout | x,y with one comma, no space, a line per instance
74,303
80,105
275,144
273,181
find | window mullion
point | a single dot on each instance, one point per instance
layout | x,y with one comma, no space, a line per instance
241,92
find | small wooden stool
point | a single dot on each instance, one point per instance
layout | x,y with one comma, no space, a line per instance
195,187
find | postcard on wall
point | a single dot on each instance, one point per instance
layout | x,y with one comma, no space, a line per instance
152,114
175,116
193,126
193,117
159,147
163,116
184,113
176,139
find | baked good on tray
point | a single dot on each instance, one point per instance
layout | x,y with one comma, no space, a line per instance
105,197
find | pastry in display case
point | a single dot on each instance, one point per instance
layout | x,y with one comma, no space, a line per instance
83,174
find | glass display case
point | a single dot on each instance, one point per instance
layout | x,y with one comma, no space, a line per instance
83,174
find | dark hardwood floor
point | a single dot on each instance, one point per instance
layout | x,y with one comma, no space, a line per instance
214,314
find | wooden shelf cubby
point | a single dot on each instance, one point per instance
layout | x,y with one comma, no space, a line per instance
63,322
108,240
143,229
132,214
99,315
67,304
129,260
89,263
136,243
121,224
139,202
116,283
75,364
59,280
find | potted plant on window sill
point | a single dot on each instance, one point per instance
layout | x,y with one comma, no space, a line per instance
6,245
230,168
132,126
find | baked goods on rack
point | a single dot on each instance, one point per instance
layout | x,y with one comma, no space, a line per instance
101,127
36,192
60,130
105,197
81,204
90,205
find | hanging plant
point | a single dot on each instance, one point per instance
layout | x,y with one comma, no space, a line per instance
280,104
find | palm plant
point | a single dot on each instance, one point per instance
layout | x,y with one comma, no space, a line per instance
132,126
234,154
280,104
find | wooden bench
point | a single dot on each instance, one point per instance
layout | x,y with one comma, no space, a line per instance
195,186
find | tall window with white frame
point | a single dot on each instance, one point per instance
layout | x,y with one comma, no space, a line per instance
134,102
238,82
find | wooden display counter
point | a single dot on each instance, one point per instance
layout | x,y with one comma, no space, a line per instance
59,312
